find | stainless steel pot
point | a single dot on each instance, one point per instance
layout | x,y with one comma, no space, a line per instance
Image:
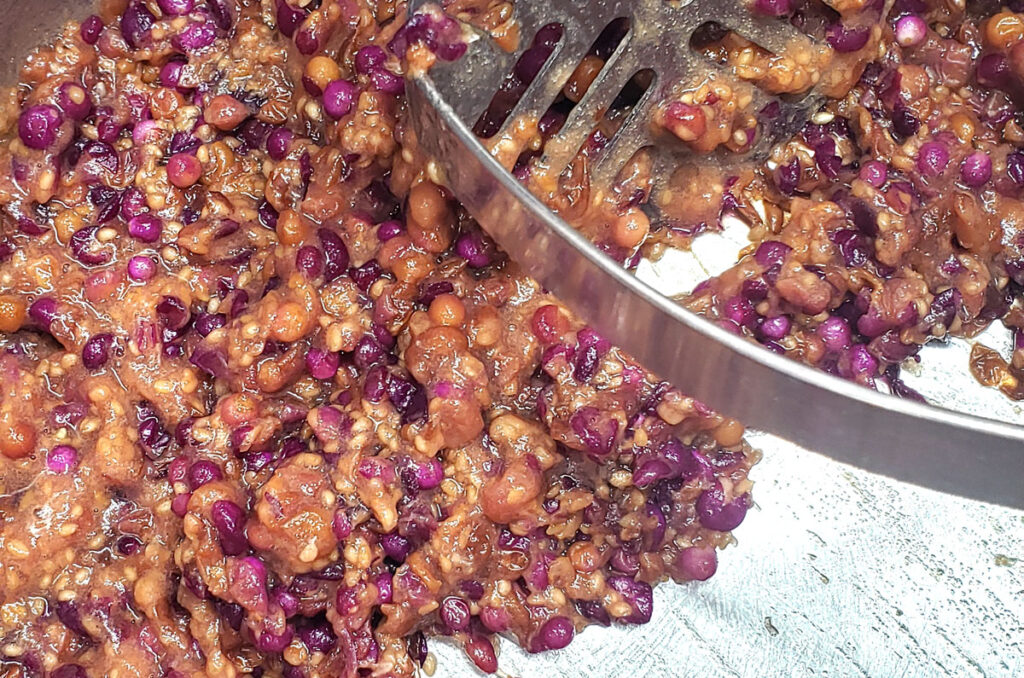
841,573
25,25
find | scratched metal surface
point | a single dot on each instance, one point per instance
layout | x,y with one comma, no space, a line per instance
837,572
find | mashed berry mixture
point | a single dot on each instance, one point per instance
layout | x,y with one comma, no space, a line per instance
272,404
896,217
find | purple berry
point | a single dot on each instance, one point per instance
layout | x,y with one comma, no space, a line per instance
339,96
145,227
91,28
62,459
176,7
369,58
976,169
141,268
933,158
38,125
911,30
96,351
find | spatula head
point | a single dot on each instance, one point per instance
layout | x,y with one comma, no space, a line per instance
658,44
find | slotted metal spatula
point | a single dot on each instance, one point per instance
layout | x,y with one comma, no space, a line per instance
658,41
907,440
